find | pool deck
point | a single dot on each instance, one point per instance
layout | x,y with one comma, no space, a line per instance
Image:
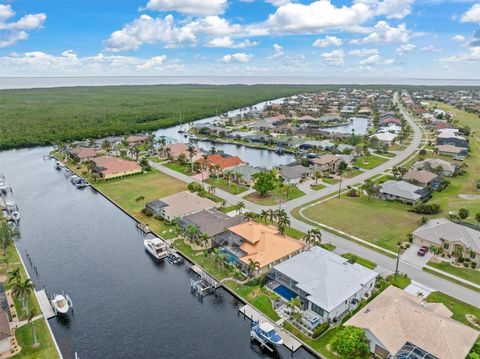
288,340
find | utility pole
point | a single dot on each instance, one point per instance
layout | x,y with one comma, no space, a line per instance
398,260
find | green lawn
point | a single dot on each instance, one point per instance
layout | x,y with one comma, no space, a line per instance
255,297
368,162
183,169
459,308
380,222
273,197
223,185
401,282
152,185
351,173
330,180
317,187
46,349
228,209
362,261
469,274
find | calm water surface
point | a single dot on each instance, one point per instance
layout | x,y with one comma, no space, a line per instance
125,304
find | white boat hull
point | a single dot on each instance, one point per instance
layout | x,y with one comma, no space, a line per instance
156,254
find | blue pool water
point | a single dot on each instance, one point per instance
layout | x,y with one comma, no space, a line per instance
229,257
285,292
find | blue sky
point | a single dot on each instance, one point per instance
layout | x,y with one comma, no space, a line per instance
356,38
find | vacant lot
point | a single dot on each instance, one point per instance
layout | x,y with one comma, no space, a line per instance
43,116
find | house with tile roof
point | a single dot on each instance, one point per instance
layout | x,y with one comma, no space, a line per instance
401,325
109,167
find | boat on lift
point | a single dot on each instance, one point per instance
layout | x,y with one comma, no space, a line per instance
61,303
3,185
58,166
156,247
265,334
15,216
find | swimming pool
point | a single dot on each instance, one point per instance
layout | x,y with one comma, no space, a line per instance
285,292
229,256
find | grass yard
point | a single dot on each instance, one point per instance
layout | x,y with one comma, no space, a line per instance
362,261
380,222
368,162
46,349
273,197
401,282
330,180
152,186
317,187
472,275
459,308
351,173
183,169
222,184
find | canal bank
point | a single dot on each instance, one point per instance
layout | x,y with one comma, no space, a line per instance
125,303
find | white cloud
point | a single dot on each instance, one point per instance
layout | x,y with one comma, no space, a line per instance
277,3
473,55
389,62
459,38
472,15
228,42
317,16
237,57
335,57
328,41
384,33
277,51
430,48
371,60
363,52
189,7
69,63
12,31
403,49
395,9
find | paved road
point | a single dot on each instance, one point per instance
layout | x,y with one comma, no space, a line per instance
345,245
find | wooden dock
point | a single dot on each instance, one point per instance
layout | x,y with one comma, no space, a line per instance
45,305
205,276
288,340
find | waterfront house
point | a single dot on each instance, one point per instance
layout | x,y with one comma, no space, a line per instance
452,137
178,205
398,324
223,161
109,167
83,154
450,150
210,221
448,235
385,137
328,285
134,140
326,163
438,166
178,149
293,173
244,173
404,192
257,242
424,178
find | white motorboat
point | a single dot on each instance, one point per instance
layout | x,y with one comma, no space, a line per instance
61,303
156,247
58,166
265,334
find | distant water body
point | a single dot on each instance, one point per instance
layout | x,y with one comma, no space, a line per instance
43,82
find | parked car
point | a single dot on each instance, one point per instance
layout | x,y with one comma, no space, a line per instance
422,251
459,158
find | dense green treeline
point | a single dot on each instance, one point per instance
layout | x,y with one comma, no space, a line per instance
44,116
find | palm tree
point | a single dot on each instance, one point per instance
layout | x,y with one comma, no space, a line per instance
228,176
251,216
14,276
6,237
30,318
435,250
218,259
240,206
317,175
313,236
252,267
271,215
134,152
107,146
459,251
204,239
212,189
293,304
192,232
91,165
282,223
263,216
192,152
162,141
168,153
22,290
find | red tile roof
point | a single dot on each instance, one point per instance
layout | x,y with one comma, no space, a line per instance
110,165
223,161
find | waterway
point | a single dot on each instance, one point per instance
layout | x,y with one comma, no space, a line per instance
125,304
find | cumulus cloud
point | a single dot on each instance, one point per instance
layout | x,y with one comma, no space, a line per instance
189,7
472,15
328,41
12,31
363,52
277,51
430,48
317,16
395,9
473,55
228,42
384,33
335,57
459,38
237,57
371,60
403,49
69,63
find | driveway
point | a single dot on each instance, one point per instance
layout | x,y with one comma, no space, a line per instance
410,256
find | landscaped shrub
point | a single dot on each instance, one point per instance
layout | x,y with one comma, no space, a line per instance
319,330
147,212
426,208
350,342
473,265
194,187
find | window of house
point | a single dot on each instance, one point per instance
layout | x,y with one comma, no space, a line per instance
318,310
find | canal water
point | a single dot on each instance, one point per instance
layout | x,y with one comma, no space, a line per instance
125,304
